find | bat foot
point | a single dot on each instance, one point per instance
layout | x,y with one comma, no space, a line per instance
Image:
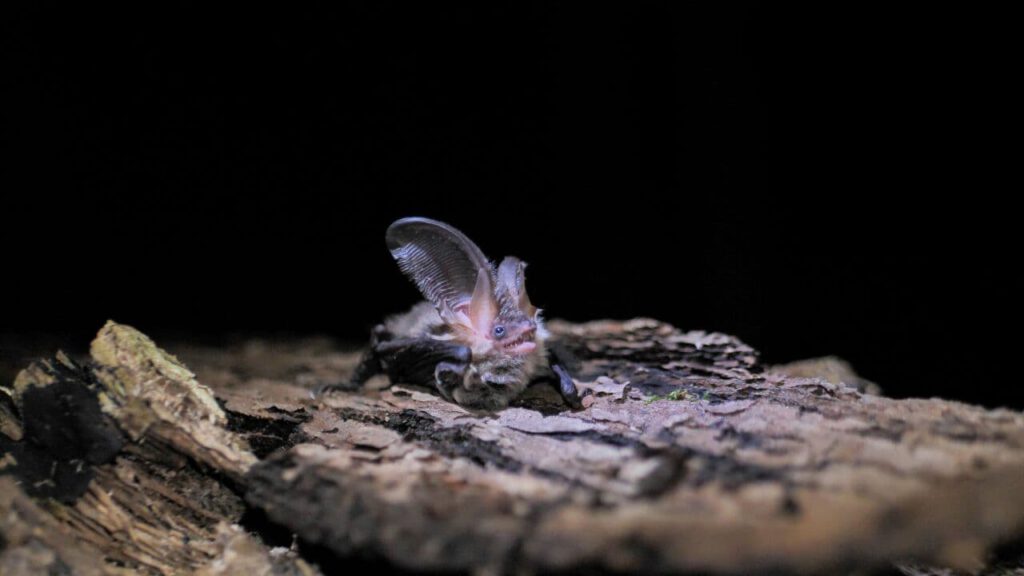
325,389
448,376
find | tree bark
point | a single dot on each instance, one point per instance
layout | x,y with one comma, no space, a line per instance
688,456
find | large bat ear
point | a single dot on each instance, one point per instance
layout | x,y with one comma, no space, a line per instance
512,286
483,308
446,266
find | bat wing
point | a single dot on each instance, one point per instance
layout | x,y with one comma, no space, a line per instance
445,265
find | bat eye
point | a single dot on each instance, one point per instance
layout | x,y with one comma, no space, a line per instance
499,331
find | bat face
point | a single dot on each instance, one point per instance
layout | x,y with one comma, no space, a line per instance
515,337
482,307
499,318
517,324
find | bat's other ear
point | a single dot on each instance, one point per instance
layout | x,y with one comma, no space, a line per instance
524,300
512,285
483,308
445,265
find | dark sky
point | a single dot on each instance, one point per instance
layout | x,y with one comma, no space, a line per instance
817,181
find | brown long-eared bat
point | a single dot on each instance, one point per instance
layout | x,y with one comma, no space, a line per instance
477,338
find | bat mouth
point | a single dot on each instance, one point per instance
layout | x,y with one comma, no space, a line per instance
524,344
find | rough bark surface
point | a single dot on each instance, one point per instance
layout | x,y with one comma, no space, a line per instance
688,456
123,464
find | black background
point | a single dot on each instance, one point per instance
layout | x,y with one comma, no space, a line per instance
816,181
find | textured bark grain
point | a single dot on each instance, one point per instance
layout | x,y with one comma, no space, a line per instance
688,456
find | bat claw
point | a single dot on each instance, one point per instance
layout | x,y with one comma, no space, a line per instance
567,387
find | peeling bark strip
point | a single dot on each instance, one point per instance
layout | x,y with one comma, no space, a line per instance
688,456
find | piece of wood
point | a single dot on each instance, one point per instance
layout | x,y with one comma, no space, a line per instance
688,456
134,465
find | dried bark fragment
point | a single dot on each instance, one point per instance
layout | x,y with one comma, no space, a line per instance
33,542
830,369
152,395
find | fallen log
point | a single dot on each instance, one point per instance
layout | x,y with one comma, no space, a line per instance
688,456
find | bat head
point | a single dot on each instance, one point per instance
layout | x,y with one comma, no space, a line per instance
503,315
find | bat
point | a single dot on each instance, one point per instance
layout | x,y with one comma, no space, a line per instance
476,337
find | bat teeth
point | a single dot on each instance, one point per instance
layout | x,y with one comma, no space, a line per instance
520,340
